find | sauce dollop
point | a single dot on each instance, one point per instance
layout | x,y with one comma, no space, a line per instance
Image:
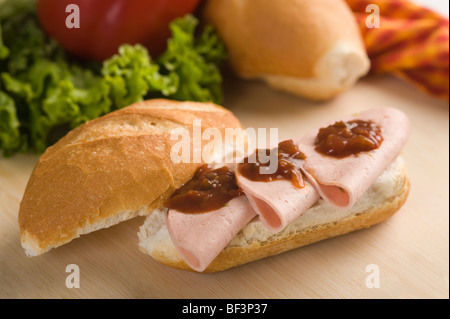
287,151
343,139
210,189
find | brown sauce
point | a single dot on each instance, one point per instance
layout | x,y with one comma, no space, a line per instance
287,152
209,189
343,139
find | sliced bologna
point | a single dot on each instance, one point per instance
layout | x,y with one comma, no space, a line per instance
342,181
200,238
277,202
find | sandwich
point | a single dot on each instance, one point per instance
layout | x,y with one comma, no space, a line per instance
214,215
309,48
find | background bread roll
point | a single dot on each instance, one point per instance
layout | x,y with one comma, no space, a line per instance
109,170
310,48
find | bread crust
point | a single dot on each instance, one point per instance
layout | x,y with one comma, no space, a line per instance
236,256
109,170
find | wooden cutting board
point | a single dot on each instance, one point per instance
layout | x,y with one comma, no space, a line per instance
410,251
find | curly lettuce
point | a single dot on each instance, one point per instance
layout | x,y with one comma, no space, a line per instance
44,92
10,139
194,61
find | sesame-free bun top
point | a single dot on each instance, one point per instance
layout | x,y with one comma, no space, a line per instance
310,48
109,170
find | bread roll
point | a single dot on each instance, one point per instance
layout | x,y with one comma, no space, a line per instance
310,48
321,221
109,170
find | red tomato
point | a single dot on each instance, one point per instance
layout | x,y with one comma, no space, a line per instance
106,24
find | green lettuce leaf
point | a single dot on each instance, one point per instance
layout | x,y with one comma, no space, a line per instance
10,139
44,92
194,61
132,75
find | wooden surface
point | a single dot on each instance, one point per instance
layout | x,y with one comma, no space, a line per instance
411,249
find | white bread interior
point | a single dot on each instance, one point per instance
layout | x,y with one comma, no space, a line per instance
336,71
33,249
321,221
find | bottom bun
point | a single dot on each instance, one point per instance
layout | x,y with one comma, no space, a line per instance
321,221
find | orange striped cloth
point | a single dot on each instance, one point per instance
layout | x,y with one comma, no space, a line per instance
411,42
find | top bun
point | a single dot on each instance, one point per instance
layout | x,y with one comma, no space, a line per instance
109,170
310,48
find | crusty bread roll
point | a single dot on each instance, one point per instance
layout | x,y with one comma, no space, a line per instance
119,166
310,48
321,221
109,170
